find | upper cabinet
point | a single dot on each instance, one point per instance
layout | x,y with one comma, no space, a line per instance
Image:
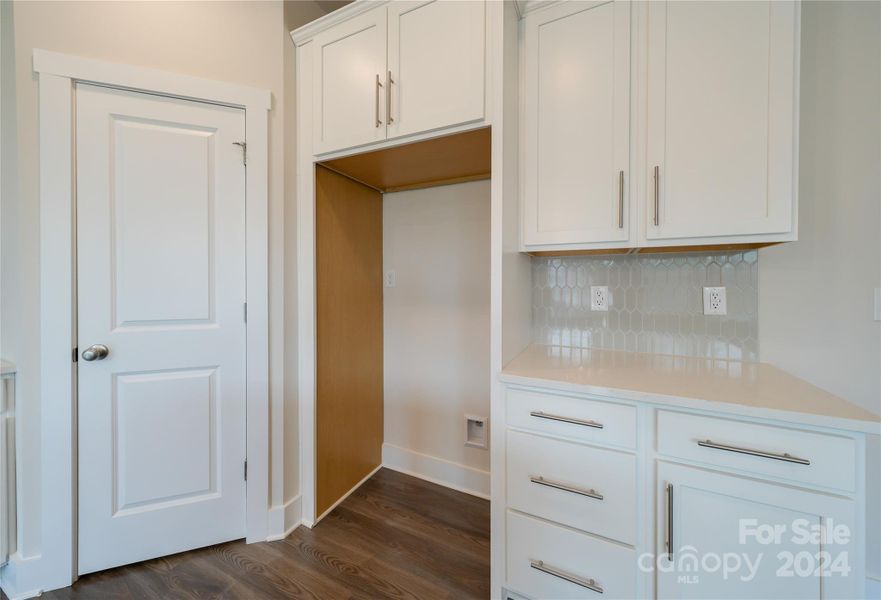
399,69
349,68
435,65
577,135
659,124
721,118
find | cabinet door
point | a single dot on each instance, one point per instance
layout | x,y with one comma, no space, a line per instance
349,88
436,64
577,125
721,95
716,520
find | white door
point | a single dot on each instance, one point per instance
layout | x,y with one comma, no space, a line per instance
350,83
577,138
161,284
721,96
718,520
436,64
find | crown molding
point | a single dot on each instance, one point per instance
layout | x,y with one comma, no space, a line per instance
349,11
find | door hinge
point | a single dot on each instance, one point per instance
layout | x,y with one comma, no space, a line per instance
246,470
246,311
75,354
244,147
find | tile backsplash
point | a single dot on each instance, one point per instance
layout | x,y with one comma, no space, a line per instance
655,303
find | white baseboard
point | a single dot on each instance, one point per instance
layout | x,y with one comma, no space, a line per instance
283,519
873,588
21,577
436,470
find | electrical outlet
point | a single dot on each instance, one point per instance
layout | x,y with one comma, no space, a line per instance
599,297
714,301
390,278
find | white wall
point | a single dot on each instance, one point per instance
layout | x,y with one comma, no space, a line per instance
239,42
436,328
829,337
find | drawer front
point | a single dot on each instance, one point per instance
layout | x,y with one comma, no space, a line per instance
578,418
550,561
587,488
813,458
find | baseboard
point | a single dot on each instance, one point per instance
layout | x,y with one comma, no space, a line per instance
436,470
21,577
873,588
285,518
346,495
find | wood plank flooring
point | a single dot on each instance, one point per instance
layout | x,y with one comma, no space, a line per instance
396,537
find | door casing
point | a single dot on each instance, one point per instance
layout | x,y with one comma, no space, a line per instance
57,75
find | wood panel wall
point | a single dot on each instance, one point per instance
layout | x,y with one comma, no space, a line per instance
349,395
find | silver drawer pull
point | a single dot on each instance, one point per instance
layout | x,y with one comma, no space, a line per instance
590,584
591,493
784,457
574,421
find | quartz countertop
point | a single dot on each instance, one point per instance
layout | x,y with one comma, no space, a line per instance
741,388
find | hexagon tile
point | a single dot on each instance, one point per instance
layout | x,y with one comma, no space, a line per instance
655,304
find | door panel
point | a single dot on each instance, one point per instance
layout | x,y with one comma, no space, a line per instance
161,283
436,62
577,136
718,515
349,88
721,97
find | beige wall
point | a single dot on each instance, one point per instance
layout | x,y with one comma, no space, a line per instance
815,295
436,318
240,42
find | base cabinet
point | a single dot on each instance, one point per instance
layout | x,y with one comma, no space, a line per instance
630,499
723,536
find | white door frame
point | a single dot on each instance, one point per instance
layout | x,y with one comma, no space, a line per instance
58,449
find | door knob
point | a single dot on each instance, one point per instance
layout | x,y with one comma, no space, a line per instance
96,352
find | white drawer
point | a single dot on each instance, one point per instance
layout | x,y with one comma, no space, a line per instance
587,488
567,557
580,418
805,456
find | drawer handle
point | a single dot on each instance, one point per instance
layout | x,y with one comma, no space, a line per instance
591,493
574,421
590,584
784,457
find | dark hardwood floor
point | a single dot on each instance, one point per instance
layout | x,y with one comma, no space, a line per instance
395,537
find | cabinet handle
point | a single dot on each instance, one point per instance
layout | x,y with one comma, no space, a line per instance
669,540
590,584
591,493
543,415
388,101
620,199
657,194
378,87
784,457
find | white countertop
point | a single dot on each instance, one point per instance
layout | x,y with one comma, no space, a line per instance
740,388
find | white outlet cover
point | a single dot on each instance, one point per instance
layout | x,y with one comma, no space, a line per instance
390,278
599,297
714,301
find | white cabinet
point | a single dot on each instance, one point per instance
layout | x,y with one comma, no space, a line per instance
435,65
577,124
399,69
732,537
721,101
688,111
648,500
349,71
